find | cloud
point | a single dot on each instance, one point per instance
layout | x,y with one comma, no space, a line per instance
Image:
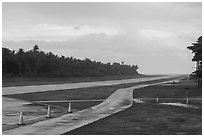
151,33
52,32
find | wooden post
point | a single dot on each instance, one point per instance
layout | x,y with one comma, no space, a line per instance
157,97
69,107
20,122
186,95
48,112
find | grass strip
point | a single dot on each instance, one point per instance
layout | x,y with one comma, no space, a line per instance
151,118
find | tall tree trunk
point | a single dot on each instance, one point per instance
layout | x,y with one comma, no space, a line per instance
19,70
36,68
5,67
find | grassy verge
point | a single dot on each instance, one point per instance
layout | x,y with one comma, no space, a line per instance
171,93
76,106
91,93
146,119
150,118
22,81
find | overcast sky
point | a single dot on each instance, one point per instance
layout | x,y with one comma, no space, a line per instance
153,36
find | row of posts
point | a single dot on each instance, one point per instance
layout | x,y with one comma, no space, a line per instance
21,122
157,96
70,111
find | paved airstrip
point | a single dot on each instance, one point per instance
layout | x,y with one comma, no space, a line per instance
40,88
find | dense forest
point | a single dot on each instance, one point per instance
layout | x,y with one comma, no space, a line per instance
37,63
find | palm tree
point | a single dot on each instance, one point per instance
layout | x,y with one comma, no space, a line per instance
197,50
19,59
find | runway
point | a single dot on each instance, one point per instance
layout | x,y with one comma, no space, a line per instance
40,88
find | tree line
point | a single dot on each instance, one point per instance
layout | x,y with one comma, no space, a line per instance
37,63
